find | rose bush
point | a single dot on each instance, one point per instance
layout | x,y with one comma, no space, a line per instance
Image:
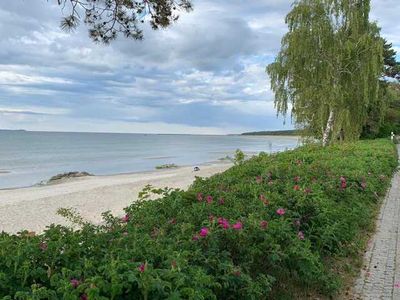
244,234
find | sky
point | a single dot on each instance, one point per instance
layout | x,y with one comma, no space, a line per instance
204,75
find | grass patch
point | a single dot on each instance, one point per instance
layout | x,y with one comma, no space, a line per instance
281,226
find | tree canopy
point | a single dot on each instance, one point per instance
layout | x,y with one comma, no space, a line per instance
327,71
108,18
392,67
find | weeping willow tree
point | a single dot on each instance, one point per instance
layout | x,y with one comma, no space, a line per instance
327,71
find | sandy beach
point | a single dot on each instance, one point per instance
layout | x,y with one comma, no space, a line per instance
34,208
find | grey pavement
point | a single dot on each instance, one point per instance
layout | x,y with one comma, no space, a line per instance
380,277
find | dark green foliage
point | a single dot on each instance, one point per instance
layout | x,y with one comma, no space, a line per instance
156,251
381,126
107,18
392,67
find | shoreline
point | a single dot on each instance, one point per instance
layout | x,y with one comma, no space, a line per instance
47,182
33,208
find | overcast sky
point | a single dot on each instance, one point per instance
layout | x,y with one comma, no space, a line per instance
206,74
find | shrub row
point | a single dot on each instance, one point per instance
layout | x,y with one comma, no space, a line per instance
263,229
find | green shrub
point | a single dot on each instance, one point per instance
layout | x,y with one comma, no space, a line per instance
263,229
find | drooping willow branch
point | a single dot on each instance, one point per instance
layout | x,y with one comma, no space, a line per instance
108,18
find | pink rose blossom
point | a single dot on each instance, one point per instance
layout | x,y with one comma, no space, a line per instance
300,235
209,199
397,285
296,188
237,226
221,201
280,211
204,232
223,223
142,268
263,224
74,283
125,219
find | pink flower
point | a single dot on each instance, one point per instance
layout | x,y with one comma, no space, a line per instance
43,246
209,199
221,201
203,232
300,235
397,285
259,179
296,188
296,179
84,297
74,283
223,223
125,219
199,197
280,211
142,268
263,224
195,237
343,183
237,226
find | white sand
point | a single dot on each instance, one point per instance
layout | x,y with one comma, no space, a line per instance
34,208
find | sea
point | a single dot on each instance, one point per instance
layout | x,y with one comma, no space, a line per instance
28,158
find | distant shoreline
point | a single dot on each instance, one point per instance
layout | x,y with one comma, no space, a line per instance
274,133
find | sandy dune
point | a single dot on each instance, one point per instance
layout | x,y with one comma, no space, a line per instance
34,208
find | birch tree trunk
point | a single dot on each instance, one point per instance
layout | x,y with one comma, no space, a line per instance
328,129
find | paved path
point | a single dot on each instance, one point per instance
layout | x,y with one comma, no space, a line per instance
380,278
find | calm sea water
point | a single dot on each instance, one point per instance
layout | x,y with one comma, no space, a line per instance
26,158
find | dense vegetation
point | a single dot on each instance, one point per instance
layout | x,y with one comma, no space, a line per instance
262,229
381,126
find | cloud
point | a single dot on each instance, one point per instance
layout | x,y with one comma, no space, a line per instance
204,74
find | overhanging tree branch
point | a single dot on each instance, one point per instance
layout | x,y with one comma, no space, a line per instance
107,19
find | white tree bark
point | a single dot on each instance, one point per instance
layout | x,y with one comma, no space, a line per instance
328,129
